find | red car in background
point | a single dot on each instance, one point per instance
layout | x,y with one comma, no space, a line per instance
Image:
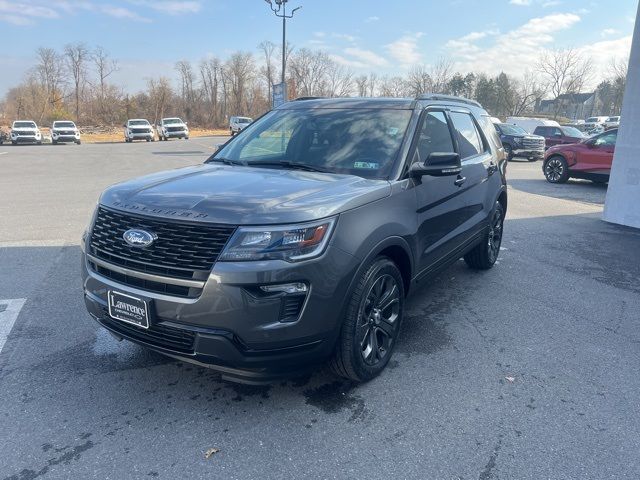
559,135
590,159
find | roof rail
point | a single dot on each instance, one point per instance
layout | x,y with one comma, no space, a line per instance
306,98
438,96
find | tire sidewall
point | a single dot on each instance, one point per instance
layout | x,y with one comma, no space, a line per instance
380,266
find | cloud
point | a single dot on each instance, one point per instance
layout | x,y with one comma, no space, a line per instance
344,36
169,7
523,3
371,19
512,52
367,57
18,13
405,49
121,12
607,32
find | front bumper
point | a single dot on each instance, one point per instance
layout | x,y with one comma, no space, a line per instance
140,136
523,152
180,134
65,138
230,326
26,138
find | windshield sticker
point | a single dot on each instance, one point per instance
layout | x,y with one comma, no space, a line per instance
370,165
393,131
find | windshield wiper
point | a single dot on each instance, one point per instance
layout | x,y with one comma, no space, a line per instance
228,161
288,164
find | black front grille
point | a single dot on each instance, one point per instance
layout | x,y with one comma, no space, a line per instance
175,129
176,339
65,132
181,250
140,130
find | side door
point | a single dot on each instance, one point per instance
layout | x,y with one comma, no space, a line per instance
556,136
439,204
598,153
447,209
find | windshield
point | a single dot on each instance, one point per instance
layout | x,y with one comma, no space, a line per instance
362,142
613,119
244,120
513,130
138,122
593,120
24,125
168,121
64,125
572,132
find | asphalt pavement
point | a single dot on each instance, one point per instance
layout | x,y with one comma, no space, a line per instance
527,371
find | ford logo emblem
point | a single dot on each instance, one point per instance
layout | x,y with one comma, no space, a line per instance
138,238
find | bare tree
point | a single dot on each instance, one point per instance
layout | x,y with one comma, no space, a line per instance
339,81
159,94
361,85
239,72
529,91
187,81
565,71
77,56
211,72
308,69
393,87
104,66
267,48
50,72
441,74
419,81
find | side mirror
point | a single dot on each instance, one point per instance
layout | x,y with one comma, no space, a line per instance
438,164
125,125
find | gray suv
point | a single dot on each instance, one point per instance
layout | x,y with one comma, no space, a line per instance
298,240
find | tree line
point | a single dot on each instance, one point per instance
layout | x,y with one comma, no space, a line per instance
76,83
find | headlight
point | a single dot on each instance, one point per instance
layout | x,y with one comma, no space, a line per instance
291,243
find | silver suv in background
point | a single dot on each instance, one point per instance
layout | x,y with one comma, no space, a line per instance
172,128
237,124
138,129
64,131
25,131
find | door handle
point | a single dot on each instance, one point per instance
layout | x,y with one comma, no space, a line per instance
491,169
459,181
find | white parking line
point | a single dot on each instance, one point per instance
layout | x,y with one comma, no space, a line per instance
3,153
9,310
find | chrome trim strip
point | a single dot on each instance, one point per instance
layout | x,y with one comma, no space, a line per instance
182,282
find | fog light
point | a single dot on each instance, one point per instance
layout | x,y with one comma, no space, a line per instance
288,288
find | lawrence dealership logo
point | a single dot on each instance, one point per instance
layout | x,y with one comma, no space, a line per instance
138,238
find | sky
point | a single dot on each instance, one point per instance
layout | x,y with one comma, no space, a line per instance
147,37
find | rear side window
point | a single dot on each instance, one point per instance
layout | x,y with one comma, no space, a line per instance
434,136
541,131
608,139
469,141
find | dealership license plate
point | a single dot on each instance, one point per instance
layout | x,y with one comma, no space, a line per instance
127,308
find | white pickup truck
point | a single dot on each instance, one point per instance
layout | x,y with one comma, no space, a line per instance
25,131
64,131
138,129
172,128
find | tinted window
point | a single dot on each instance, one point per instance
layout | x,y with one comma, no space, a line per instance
572,132
608,139
469,141
513,130
556,132
434,136
543,131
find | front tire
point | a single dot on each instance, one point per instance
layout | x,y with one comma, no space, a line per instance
371,324
508,151
556,170
484,255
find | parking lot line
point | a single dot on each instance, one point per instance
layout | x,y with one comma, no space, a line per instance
3,153
9,310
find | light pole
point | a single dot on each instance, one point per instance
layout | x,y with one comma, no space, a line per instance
280,10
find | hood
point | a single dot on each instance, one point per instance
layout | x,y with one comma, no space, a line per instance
243,195
182,125
25,129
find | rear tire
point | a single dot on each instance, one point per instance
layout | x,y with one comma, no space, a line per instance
484,255
556,170
13,142
372,322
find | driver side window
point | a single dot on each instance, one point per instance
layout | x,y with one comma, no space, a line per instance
608,139
434,136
